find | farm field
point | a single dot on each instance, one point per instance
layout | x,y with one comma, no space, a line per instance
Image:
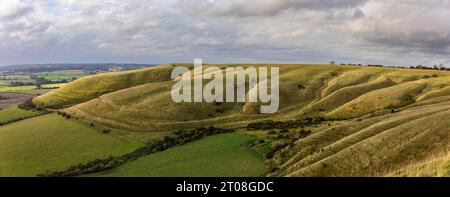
62,75
12,99
16,88
222,155
51,142
14,113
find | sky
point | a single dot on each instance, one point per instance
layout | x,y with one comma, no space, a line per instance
389,32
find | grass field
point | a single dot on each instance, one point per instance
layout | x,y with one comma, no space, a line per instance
6,82
221,155
14,113
63,74
50,142
16,88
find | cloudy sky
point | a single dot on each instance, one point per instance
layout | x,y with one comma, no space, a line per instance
394,32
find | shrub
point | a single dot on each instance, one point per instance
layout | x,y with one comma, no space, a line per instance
334,74
271,125
304,133
28,105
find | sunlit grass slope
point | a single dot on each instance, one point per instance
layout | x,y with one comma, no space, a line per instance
337,92
90,87
50,142
438,166
222,155
376,146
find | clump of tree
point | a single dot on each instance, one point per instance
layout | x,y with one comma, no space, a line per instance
29,105
20,83
334,74
64,114
4,97
297,123
173,139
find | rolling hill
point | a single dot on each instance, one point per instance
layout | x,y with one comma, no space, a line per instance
379,121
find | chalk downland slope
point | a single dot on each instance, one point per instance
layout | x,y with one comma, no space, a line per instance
91,87
392,119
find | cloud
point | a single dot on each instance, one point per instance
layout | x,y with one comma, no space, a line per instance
361,31
244,8
15,11
358,13
405,27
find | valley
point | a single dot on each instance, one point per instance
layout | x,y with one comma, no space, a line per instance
333,120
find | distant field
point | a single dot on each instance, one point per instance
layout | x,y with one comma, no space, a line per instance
7,81
50,142
55,85
63,74
220,155
14,113
13,99
16,88
30,89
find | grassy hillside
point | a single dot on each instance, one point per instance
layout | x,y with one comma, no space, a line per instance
222,155
15,113
374,146
438,166
50,142
381,120
337,92
91,87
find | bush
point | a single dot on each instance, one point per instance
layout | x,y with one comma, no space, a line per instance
304,133
28,105
334,74
271,125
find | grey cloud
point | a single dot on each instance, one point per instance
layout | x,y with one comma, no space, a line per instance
405,28
264,7
317,31
423,41
358,13
17,11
